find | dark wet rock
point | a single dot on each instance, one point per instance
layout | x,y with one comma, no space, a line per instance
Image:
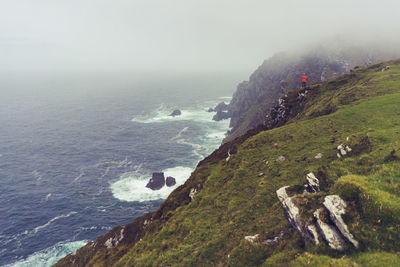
176,112
170,181
210,110
221,115
157,181
221,107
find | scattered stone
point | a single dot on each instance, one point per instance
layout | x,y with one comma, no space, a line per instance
261,174
385,68
251,238
329,233
266,162
176,112
157,181
170,181
192,193
112,242
275,240
229,156
280,159
312,185
343,150
337,207
318,156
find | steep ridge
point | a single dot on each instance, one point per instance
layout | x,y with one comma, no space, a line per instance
281,74
228,213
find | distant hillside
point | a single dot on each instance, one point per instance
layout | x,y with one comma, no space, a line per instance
252,202
282,73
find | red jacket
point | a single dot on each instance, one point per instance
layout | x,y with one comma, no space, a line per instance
304,78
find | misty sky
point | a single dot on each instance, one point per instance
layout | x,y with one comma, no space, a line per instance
176,34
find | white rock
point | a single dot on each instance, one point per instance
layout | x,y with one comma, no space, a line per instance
338,155
343,152
348,149
229,156
280,159
340,147
318,156
109,243
293,214
192,193
312,185
337,207
282,194
312,230
329,233
251,238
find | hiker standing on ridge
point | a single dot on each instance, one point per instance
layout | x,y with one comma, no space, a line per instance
304,80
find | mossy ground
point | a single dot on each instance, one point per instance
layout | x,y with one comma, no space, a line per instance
234,202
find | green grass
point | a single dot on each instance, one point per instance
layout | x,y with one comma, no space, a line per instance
234,202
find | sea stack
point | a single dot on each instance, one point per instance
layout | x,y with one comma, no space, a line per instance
157,181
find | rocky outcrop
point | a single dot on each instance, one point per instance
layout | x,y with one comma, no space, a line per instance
332,227
157,181
343,149
337,207
170,181
176,112
222,115
329,232
281,74
192,193
292,214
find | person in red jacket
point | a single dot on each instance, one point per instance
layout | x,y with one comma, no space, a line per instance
304,80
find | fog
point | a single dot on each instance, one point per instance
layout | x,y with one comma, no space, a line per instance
178,35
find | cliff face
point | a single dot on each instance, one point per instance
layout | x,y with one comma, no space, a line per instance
316,184
282,73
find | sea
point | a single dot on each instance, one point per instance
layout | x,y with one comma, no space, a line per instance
78,148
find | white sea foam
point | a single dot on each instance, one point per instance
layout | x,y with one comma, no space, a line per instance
48,196
49,256
133,187
52,220
161,114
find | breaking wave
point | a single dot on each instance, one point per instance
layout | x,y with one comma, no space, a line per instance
49,256
132,187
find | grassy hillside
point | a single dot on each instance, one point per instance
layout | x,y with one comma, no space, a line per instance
233,200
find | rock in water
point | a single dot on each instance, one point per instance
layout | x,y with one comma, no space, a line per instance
221,115
170,181
176,112
221,107
157,181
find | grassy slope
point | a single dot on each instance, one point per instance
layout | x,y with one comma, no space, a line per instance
233,202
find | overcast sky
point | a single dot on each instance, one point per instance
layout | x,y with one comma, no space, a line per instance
176,34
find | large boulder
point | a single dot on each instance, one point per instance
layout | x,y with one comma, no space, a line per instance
337,207
170,181
157,181
176,112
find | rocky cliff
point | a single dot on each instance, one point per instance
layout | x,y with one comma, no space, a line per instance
282,73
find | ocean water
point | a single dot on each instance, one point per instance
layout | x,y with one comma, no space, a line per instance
76,151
